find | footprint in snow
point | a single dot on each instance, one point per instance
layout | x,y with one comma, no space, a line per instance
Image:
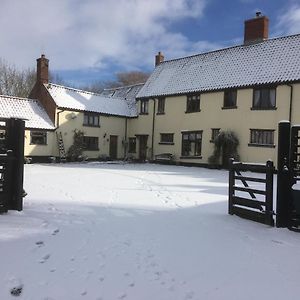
122,296
17,290
44,258
55,232
40,243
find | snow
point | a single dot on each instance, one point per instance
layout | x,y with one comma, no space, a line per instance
269,62
139,231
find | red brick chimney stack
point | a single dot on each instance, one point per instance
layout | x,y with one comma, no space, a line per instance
159,58
256,29
42,74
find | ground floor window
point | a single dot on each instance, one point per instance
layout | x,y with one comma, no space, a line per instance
132,145
90,143
191,143
167,138
2,138
262,137
38,137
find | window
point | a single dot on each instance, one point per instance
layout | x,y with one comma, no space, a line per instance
264,98
91,119
193,103
230,99
144,107
262,137
191,144
90,143
132,145
161,106
214,133
38,138
167,138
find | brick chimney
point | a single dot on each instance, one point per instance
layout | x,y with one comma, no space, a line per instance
159,58
42,74
256,29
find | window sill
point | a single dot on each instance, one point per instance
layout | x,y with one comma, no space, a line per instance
131,152
38,144
160,113
165,143
262,145
143,114
190,112
87,125
263,108
190,157
91,149
229,107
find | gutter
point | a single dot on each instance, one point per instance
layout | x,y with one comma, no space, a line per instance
57,118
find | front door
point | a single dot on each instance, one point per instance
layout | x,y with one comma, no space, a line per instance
143,147
113,147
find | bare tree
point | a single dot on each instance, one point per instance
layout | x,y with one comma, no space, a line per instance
14,82
122,79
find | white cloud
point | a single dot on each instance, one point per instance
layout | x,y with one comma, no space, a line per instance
78,34
289,20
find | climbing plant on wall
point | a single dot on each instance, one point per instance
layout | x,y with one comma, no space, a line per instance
76,150
225,147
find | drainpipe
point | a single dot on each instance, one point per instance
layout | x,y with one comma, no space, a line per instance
291,101
153,123
57,118
125,143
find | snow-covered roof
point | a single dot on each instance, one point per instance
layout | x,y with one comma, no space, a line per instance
30,110
271,61
128,93
75,99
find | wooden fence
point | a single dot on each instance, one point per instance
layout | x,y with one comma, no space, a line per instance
252,208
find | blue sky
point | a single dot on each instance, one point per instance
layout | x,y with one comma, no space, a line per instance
92,39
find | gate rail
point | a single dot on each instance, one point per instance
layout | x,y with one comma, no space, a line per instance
251,208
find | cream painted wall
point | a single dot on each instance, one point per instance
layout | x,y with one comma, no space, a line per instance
240,120
39,150
142,125
109,125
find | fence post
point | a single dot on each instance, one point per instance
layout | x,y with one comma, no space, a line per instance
283,175
269,193
230,188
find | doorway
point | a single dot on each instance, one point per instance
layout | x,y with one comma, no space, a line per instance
113,147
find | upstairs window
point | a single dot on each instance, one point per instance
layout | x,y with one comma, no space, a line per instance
193,103
144,107
91,119
167,138
90,143
38,137
191,144
262,137
161,106
230,99
264,98
132,145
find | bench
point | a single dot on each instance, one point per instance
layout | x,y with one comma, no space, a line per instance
167,157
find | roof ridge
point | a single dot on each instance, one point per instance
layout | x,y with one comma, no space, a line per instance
72,89
123,87
231,47
19,98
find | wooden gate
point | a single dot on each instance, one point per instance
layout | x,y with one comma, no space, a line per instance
12,165
256,208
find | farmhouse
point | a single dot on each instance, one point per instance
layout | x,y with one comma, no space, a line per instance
181,109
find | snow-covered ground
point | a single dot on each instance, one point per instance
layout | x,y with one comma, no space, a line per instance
139,232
